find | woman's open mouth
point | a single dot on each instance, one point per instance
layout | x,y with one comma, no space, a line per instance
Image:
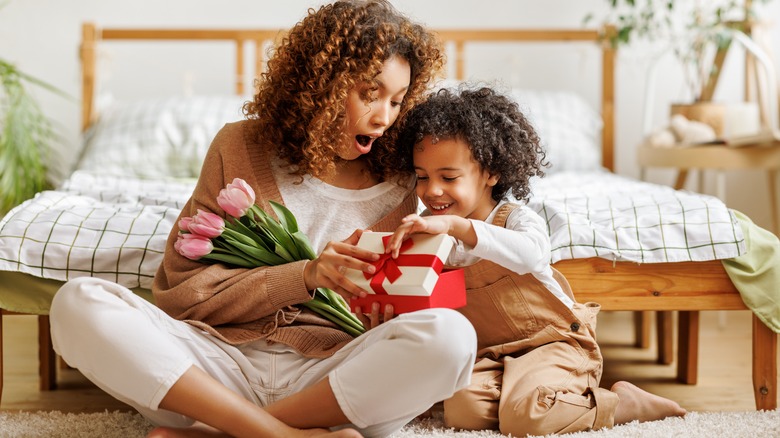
364,143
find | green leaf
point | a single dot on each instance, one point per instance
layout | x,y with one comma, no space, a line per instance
331,314
587,19
283,253
264,257
624,34
304,246
257,234
337,301
283,241
286,218
333,298
26,135
237,236
346,320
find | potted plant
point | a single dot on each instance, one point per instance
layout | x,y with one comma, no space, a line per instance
25,138
697,33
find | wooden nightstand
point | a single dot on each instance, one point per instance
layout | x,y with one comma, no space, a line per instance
765,156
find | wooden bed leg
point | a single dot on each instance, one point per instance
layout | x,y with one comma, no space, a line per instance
664,329
688,347
764,366
47,367
642,328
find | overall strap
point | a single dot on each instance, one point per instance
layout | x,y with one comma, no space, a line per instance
500,220
503,213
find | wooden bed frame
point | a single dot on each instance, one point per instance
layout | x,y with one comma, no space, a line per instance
687,287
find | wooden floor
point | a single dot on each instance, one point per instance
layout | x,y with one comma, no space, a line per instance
724,368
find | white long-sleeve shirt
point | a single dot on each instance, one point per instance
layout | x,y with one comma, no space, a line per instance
523,246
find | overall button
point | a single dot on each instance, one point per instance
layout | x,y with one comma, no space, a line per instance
575,326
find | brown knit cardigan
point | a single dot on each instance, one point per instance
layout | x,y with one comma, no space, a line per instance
236,304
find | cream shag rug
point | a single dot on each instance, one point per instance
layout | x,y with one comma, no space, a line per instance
127,425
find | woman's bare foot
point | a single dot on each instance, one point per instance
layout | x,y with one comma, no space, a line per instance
200,430
638,404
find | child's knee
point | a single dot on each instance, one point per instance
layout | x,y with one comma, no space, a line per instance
468,410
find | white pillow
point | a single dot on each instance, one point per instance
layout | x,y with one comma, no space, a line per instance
569,129
157,138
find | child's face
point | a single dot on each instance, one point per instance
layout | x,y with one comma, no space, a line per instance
449,181
367,121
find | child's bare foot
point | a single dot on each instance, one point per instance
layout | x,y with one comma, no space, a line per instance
638,404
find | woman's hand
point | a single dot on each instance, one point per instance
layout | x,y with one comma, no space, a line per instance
376,317
327,270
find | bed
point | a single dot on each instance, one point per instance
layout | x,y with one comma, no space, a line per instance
111,217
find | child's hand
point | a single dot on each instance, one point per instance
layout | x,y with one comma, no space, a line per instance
413,224
377,315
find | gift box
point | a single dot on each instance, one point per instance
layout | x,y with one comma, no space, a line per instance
415,280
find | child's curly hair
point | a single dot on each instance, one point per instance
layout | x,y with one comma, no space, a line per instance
300,103
501,139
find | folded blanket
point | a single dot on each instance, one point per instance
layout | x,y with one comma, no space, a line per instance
756,274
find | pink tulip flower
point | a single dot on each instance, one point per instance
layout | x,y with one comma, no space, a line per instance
236,198
184,223
206,224
193,246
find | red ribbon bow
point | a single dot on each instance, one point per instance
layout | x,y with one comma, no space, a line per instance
388,267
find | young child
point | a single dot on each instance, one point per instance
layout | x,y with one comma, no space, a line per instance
538,366
230,351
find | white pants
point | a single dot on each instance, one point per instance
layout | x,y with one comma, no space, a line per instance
136,352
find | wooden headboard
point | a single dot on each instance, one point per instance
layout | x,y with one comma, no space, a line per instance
259,39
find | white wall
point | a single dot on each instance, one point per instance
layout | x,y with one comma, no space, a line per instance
41,37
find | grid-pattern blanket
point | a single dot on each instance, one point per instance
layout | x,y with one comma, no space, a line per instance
600,214
116,228
101,226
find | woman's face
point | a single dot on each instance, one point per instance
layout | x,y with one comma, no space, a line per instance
367,121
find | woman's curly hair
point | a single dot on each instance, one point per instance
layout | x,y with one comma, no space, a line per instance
501,139
299,106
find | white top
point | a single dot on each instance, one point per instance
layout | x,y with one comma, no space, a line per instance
325,212
523,246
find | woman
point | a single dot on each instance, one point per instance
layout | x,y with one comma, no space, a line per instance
230,349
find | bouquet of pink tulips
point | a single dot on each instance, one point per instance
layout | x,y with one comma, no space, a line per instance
250,238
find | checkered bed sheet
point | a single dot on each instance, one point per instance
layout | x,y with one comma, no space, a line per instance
600,214
116,228
101,226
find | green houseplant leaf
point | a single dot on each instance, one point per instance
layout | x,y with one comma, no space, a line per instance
26,136
694,32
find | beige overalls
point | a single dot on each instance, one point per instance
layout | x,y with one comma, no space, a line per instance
538,364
